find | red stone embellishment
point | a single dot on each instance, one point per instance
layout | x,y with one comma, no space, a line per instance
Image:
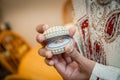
110,27
83,26
97,51
84,29
99,55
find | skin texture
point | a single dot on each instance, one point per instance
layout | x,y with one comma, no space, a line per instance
71,65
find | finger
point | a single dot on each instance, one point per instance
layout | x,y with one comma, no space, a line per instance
40,38
72,31
43,52
61,59
74,43
60,66
41,28
49,62
67,58
84,64
73,53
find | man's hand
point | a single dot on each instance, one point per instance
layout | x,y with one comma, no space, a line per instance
71,65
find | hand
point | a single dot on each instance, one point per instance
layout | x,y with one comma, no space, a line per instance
71,65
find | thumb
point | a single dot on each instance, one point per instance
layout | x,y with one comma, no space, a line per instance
73,53
84,63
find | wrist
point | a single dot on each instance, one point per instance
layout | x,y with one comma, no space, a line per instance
87,65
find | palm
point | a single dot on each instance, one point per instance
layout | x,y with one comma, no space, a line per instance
68,68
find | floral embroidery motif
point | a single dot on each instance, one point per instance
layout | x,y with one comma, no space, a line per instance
92,50
112,24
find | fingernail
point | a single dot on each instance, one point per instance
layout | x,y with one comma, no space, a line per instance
69,48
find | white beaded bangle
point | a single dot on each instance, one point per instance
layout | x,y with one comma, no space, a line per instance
58,38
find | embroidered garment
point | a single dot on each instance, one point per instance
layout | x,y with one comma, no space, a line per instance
98,23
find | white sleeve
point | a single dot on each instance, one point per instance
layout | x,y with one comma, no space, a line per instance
105,72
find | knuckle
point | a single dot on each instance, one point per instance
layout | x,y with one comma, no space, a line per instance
69,49
42,52
40,38
73,54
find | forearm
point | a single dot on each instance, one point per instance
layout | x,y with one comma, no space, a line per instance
105,72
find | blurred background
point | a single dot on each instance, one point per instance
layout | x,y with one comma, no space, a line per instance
19,59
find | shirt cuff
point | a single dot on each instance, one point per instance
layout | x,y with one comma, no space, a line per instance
105,72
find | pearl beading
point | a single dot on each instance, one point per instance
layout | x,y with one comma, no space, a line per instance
53,34
55,31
